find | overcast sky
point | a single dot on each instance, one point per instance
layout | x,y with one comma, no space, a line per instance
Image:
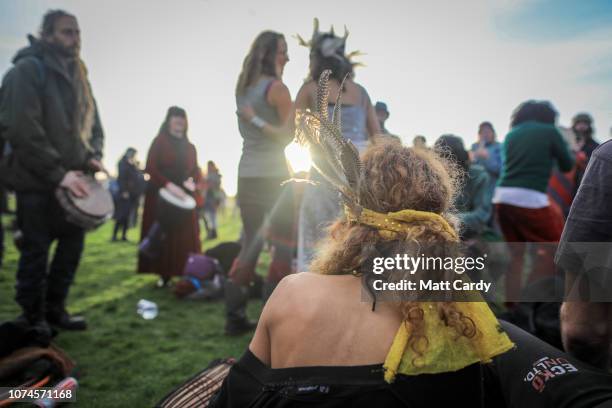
441,66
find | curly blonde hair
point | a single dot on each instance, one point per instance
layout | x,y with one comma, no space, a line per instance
397,178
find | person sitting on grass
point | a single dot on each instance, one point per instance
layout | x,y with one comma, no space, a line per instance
318,342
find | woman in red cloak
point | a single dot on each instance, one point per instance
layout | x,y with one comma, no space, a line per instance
171,163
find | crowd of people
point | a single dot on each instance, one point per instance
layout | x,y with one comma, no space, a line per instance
367,195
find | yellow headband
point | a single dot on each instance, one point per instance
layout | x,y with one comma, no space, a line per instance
388,225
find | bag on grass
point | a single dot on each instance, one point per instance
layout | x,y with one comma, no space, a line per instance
202,279
204,275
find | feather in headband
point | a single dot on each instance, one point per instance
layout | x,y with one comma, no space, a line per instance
337,160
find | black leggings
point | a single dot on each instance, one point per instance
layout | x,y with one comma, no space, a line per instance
536,375
262,199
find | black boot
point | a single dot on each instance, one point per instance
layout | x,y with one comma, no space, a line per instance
236,298
115,230
33,318
58,317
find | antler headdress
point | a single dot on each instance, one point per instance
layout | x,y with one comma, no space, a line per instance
331,46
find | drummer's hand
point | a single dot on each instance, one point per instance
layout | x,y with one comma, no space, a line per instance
96,165
72,181
176,190
189,184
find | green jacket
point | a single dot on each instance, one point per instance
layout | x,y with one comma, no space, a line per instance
529,154
37,118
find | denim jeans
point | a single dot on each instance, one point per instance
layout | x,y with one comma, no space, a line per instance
42,221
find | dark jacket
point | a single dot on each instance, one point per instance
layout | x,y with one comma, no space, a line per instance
37,118
129,178
474,202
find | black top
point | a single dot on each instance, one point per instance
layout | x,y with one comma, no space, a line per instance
253,384
534,374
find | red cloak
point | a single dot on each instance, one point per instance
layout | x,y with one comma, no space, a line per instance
163,165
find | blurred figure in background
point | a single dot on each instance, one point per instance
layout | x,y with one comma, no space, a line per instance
212,199
473,202
265,120
529,153
487,153
382,113
562,184
129,180
582,127
320,205
172,164
474,209
419,142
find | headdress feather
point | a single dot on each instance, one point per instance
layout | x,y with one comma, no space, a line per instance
333,156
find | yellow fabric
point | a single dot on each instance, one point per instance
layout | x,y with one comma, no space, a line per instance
445,350
393,222
442,349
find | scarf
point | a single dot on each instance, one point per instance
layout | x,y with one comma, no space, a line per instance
444,350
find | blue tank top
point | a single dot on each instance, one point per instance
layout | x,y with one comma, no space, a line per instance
354,121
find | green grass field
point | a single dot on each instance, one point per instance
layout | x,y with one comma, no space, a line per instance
124,360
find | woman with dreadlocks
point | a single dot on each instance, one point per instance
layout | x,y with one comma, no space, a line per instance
265,116
359,124
318,343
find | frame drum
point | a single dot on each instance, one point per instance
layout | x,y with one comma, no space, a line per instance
89,212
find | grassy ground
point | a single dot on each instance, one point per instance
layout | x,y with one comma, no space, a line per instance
123,360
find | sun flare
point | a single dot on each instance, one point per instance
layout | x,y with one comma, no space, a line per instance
298,157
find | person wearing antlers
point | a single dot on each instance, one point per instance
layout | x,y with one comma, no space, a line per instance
360,124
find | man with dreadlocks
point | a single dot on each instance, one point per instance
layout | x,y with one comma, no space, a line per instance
50,119
359,125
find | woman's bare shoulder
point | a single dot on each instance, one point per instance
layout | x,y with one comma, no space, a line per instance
296,283
298,288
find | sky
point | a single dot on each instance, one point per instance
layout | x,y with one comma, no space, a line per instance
441,66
